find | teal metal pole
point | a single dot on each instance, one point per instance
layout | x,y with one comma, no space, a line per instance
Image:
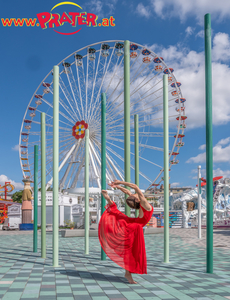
127,117
87,191
43,185
209,151
35,235
55,164
103,157
136,142
166,168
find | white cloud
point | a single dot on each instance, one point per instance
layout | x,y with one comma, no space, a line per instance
15,148
200,34
189,30
216,172
219,172
189,69
175,184
224,141
101,8
143,11
221,46
202,147
220,153
196,8
17,185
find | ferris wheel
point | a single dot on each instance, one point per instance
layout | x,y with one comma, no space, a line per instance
84,75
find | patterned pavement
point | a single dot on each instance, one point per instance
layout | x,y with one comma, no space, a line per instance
24,275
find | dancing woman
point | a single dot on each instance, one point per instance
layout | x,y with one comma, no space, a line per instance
121,237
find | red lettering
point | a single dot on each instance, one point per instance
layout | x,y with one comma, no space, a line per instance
74,17
6,22
43,19
30,22
111,21
19,22
65,18
105,22
54,21
91,19
81,19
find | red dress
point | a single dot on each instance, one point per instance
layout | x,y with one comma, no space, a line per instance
122,238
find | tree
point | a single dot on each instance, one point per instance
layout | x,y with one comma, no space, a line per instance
17,196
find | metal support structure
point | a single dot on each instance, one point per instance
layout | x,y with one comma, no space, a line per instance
209,144
43,185
199,202
103,157
166,168
136,142
35,232
55,165
87,191
127,116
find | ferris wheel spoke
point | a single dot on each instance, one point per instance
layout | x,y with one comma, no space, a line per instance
64,160
60,112
79,156
74,183
141,86
81,83
97,101
97,156
132,167
51,117
94,167
134,155
74,89
63,180
94,82
132,143
67,96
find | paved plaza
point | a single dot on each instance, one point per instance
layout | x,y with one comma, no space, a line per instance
24,275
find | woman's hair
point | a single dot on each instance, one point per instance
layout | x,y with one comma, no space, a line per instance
132,203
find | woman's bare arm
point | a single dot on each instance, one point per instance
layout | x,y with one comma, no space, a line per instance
142,198
106,196
124,190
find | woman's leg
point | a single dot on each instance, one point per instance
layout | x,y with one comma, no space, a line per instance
129,277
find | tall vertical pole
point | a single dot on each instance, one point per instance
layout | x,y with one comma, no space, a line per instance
209,151
87,191
35,235
136,142
103,157
166,168
55,164
43,185
127,117
199,202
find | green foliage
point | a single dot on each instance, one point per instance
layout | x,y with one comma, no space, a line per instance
17,196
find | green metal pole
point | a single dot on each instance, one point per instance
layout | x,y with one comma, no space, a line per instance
209,151
103,157
166,168
136,129
35,235
43,185
55,164
127,117
87,191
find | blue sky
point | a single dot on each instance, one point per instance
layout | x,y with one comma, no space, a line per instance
173,29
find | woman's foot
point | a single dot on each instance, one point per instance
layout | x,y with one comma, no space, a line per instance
129,277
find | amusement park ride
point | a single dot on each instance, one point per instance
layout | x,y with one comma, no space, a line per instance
4,203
